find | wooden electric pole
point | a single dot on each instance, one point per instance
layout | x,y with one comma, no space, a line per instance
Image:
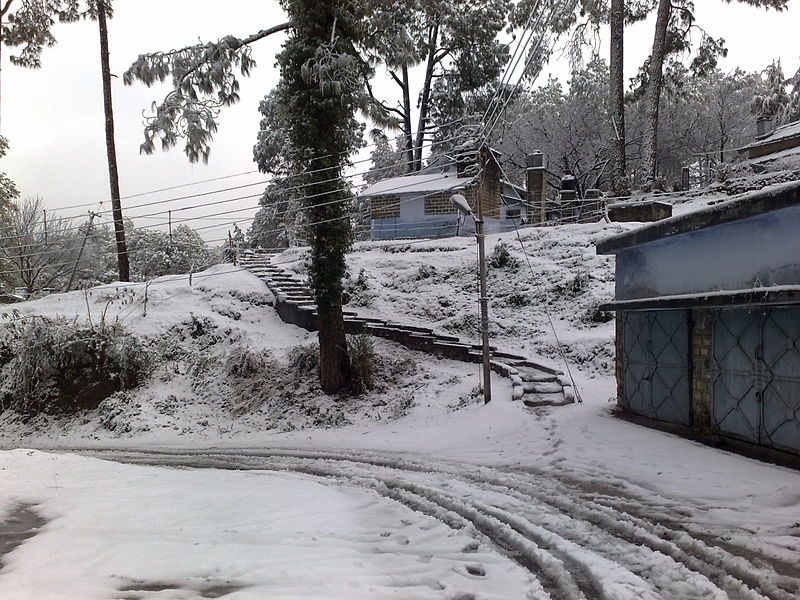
80,252
111,151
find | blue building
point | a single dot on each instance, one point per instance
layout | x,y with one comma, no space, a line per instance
418,205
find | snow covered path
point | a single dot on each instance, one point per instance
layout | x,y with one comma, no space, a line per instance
573,538
105,530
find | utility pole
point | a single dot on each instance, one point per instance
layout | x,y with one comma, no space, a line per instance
80,253
460,202
111,151
487,367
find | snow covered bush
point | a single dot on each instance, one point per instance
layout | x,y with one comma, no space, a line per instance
501,257
243,362
62,365
361,350
357,291
304,360
155,253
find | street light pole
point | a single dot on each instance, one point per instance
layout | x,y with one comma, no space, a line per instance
460,202
487,367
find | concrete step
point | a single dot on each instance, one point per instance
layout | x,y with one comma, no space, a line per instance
506,355
448,338
413,328
537,376
536,366
534,400
550,387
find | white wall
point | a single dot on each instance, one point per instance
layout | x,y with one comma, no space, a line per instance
763,250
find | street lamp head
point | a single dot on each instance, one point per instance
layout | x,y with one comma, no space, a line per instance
461,204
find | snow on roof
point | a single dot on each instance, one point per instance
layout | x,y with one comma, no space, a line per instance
430,183
773,197
783,132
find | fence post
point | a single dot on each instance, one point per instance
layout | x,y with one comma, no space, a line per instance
567,199
685,178
535,180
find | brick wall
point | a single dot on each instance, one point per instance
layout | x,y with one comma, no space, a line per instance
384,207
701,373
439,203
489,192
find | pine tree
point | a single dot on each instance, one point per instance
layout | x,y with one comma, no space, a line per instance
28,23
675,23
773,99
792,111
322,79
455,40
100,9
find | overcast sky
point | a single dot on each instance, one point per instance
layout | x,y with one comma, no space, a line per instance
53,117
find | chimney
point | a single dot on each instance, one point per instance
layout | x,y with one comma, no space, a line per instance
465,163
535,181
764,125
568,205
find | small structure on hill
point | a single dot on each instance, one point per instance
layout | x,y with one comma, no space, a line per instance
708,318
418,205
785,137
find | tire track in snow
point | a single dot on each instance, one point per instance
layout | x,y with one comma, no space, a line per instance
560,529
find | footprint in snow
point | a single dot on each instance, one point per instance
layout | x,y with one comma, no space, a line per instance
475,570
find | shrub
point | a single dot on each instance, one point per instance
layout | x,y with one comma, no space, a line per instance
357,291
518,299
61,365
361,350
501,257
304,360
243,362
572,287
424,272
594,315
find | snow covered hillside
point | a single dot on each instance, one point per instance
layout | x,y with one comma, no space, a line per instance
414,490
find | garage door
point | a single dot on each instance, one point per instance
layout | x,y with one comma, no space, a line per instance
756,362
656,364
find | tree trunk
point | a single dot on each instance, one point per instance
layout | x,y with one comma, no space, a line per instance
111,151
425,96
409,149
617,92
329,241
319,127
655,76
3,10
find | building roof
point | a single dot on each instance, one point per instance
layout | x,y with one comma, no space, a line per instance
768,199
784,132
418,184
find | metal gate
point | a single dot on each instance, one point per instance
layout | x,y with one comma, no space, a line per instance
757,376
656,365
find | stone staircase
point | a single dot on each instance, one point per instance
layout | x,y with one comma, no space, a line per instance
533,383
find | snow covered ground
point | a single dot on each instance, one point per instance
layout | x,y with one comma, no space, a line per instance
414,491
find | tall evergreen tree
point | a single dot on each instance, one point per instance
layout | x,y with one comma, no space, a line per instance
456,40
100,9
28,23
617,90
322,79
772,99
675,21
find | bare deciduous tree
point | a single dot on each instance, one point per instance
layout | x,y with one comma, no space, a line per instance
35,253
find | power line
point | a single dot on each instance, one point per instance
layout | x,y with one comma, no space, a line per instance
299,209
